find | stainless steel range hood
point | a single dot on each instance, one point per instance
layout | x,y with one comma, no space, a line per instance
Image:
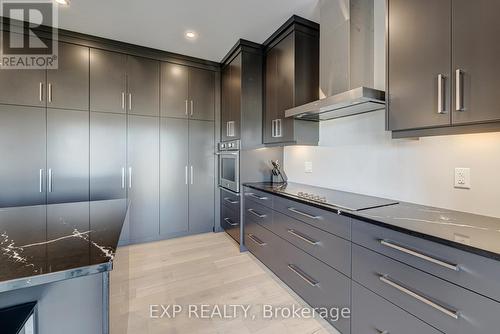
346,63
353,102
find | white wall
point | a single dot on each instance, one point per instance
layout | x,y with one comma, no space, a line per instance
356,154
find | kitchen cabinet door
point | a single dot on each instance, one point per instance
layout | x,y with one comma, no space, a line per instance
226,102
143,85
201,94
174,176
143,177
22,87
108,81
22,148
67,156
475,55
68,85
108,156
174,90
201,178
285,85
271,95
419,64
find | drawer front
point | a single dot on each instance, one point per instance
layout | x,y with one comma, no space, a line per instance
230,200
322,219
372,314
257,212
260,197
474,272
230,222
443,305
333,250
318,284
263,244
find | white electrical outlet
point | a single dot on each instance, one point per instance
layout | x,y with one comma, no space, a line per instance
308,167
462,178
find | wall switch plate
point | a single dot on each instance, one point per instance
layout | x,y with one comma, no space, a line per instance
308,167
462,178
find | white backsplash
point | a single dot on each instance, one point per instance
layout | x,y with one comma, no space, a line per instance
357,154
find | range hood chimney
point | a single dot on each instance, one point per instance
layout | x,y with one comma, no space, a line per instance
346,63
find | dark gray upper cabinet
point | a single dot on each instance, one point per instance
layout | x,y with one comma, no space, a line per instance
143,86
292,79
242,94
22,173
201,94
68,85
23,87
174,176
108,156
67,156
475,55
174,90
419,63
108,81
201,176
143,177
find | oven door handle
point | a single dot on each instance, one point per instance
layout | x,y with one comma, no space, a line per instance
224,153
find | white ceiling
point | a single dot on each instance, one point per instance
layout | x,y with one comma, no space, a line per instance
161,24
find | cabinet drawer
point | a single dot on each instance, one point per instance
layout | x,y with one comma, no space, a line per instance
257,212
230,222
372,314
259,196
474,272
326,247
443,305
318,284
262,243
230,200
322,219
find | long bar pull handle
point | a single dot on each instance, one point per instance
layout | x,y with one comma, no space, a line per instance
256,196
255,213
459,103
40,91
50,180
303,213
441,95
50,93
303,237
123,100
256,240
192,175
451,313
303,275
427,258
278,127
273,129
186,112
227,199
192,107
40,180
129,101
227,220
130,177
123,177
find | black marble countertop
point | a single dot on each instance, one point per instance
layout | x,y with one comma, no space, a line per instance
469,232
45,239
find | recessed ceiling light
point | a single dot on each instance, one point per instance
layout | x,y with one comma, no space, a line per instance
62,2
190,35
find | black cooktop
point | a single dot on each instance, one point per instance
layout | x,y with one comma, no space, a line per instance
339,199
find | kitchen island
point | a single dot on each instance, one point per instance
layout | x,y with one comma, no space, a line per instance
59,256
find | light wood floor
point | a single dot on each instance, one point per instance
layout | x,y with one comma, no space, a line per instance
201,269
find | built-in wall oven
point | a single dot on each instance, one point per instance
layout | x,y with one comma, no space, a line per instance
229,165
